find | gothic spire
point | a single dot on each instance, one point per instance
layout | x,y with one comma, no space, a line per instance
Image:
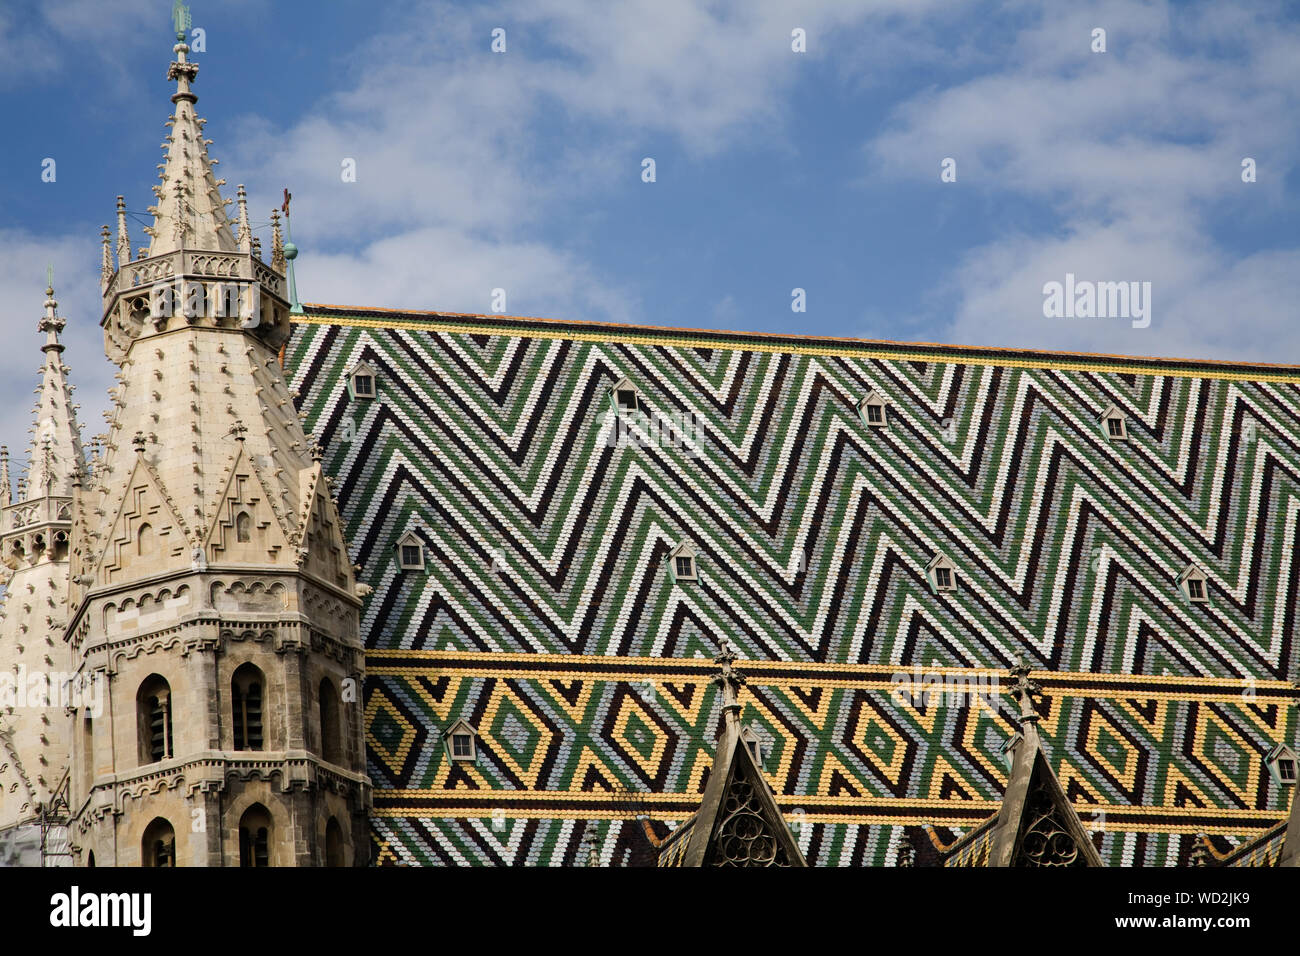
6,486
106,260
55,451
190,212
244,236
123,237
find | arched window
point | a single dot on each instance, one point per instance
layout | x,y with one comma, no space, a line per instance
90,859
255,837
246,690
329,721
87,755
243,527
333,843
154,706
144,539
158,848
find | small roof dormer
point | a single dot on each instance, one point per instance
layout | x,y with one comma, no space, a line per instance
1195,584
683,563
625,397
363,380
410,552
874,410
1281,763
942,573
1114,424
462,741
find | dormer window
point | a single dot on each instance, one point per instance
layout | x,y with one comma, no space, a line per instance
1112,420
1281,763
1009,749
1195,584
462,742
753,744
681,561
625,396
873,411
942,573
362,380
410,552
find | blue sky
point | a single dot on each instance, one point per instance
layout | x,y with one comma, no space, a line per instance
775,169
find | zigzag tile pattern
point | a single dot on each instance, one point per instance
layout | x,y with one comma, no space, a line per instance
547,617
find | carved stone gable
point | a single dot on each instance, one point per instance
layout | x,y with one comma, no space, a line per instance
745,833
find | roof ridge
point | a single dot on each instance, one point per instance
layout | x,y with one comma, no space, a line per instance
335,311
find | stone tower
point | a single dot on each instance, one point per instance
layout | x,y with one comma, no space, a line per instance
210,580
34,545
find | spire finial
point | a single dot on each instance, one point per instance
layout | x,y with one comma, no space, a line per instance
730,680
1025,689
178,221
290,253
51,322
6,486
277,243
244,237
106,265
123,239
181,20
182,71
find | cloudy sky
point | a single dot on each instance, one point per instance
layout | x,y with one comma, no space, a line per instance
775,169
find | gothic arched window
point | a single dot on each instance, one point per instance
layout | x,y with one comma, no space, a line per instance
246,692
333,843
154,707
144,539
255,830
158,846
243,527
329,721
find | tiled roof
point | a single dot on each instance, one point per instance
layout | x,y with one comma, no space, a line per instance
547,617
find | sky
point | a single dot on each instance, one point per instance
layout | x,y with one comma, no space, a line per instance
820,169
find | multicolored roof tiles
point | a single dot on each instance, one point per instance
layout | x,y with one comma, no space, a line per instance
547,615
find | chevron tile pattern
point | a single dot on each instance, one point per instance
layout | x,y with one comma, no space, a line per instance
547,615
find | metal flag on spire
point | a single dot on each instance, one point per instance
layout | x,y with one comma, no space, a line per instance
181,18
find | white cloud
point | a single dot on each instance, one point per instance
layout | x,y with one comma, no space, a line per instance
447,135
1136,155
459,274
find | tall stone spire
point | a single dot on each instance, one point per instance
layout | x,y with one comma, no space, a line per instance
208,507
34,546
190,212
55,452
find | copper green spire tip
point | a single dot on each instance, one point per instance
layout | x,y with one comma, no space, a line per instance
290,253
181,20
